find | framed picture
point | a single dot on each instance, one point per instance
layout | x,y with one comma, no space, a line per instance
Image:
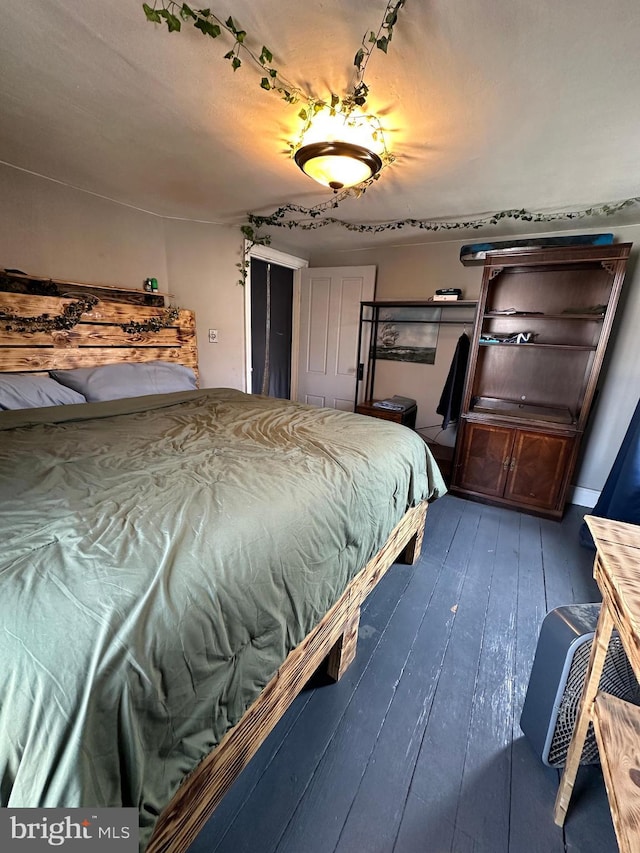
408,333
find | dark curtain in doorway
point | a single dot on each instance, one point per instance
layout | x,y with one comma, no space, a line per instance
280,280
620,497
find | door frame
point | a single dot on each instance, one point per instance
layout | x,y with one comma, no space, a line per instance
282,259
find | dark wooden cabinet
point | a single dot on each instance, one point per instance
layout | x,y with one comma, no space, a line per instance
484,459
544,319
513,465
537,467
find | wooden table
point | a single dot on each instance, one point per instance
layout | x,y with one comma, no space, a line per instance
616,723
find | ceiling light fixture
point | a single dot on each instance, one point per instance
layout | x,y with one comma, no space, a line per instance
340,147
338,161
338,164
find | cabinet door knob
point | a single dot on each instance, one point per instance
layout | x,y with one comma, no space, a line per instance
513,464
505,464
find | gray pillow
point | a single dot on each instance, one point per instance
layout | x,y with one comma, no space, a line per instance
114,381
27,391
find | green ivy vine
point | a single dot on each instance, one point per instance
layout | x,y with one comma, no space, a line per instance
251,239
67,319
350,106
314,218
174,14
71,315
154,324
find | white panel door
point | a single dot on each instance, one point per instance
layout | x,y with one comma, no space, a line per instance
330,300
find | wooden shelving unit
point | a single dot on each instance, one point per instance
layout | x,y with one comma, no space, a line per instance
616,722
617,728
525,405
460,312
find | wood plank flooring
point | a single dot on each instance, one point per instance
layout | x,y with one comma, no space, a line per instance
418,748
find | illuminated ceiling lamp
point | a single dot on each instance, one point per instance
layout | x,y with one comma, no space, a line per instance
338,164
341,148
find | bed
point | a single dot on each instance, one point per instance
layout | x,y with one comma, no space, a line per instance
175,566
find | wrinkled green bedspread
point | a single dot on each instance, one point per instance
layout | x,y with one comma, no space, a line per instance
159,558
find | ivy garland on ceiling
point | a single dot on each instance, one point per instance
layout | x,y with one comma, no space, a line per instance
174,14
316,219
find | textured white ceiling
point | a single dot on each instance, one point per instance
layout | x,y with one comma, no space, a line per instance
489,104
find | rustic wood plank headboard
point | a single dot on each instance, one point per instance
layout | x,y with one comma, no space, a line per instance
114,329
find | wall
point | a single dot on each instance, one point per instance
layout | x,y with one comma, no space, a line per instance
52,230
414,272
201,266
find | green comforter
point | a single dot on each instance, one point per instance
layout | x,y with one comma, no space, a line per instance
159,559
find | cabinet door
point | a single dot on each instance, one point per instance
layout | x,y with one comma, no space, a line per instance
484,459
538,464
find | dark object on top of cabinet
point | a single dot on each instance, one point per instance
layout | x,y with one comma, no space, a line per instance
526,405
476,253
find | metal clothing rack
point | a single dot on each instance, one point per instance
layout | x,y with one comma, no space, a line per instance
370,321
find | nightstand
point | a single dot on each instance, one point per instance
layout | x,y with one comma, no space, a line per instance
406,418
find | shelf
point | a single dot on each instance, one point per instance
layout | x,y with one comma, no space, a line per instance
616,722
423,303
445,305
427,322
523,411
382,332
115,287
533,315
577,347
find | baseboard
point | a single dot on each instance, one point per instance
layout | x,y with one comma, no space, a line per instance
584,497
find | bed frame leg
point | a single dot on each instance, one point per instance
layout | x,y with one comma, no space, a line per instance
344,650
411,552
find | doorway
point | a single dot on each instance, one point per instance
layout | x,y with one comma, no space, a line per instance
328,356
271,328
323,340
281,262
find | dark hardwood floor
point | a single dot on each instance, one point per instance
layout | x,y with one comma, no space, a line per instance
418,748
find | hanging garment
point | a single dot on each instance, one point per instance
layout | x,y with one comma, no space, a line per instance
451,399
620,498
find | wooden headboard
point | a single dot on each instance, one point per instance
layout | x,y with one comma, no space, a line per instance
121,325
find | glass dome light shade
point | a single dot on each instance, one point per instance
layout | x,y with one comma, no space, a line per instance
337,164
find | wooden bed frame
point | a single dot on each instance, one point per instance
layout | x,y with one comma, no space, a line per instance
99,338
334,639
